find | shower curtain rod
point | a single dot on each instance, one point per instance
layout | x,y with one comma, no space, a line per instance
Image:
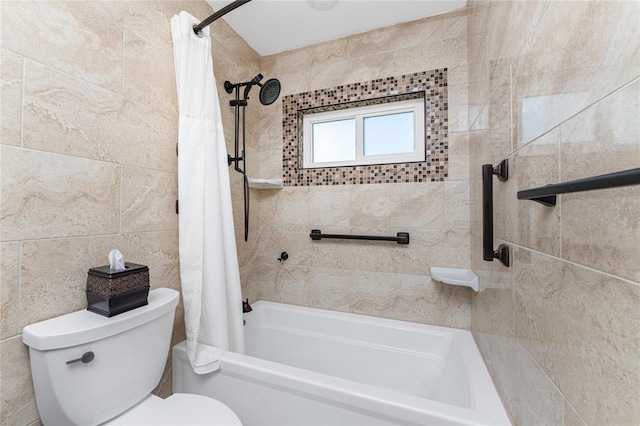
197,29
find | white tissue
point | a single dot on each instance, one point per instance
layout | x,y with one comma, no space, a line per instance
116,260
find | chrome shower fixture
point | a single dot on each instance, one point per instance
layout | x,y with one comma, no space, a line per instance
269,92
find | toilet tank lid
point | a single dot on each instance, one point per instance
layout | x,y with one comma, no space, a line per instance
83,326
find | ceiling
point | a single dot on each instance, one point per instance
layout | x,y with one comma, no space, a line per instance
274,26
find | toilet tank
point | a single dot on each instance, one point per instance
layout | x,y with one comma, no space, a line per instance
130,351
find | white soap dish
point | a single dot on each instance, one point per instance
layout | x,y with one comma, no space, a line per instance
259,183
455,276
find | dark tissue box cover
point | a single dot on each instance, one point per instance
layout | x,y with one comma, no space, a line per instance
111,292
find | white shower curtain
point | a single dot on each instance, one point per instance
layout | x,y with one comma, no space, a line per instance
208,258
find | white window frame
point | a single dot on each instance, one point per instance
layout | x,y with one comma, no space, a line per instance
359,114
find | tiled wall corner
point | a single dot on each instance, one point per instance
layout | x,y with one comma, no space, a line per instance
554,88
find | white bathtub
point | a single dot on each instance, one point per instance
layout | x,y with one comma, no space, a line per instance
308,366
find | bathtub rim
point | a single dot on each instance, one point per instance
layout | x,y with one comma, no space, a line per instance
479,377
486,407
383,403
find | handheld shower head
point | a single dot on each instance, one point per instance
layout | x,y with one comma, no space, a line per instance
249,85
256,79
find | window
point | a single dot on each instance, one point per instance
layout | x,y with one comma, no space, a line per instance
386,133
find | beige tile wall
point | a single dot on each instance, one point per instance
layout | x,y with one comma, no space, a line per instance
382,279
88,164
554,87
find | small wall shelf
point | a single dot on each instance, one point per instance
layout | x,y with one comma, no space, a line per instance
258,183
455,276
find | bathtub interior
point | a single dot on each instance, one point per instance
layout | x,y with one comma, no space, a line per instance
307,366
407,358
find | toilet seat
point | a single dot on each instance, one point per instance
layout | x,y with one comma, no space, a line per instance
180,409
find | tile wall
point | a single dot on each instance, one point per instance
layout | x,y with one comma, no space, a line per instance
382,279
88,164
555,88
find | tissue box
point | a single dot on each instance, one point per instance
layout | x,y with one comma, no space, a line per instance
111,292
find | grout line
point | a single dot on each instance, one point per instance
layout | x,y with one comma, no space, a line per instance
559,197
124,44
64,237
594,103
546,374
95,85
589,268
65,73
566,400
22,100
19,319
93,159
499,317
516,341
110,234
120,201
511,114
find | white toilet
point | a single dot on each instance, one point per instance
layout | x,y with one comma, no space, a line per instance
88,369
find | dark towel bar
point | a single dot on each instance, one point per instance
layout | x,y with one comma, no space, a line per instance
547,194
400,238
488,253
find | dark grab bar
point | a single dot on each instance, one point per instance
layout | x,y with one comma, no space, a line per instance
400,238
488,253
547,194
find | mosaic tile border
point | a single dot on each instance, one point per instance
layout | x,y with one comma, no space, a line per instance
433,84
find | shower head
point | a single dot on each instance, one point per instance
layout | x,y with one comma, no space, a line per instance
269,91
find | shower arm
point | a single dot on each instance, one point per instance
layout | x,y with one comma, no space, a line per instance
197,29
